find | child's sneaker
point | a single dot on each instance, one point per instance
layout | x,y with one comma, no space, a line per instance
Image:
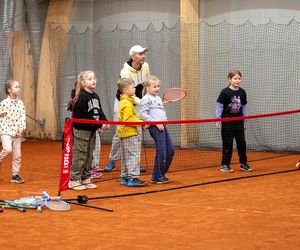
95,174
226,168
88,184
245,167
17,179
76,185
165,179
142,169
136,182
110,166
124,181
160,180
97,169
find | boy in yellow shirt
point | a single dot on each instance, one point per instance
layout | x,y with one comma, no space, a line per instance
129,135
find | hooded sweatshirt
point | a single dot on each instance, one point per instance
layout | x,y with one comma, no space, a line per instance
138,76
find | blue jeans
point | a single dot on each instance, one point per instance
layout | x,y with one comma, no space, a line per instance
164,151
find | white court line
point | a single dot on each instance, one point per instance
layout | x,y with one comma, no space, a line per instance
234,210
30,193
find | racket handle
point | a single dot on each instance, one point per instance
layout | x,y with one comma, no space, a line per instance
50,198
55,198
46,195
21,209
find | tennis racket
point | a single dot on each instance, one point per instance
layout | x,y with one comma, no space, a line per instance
55,203
36,202
5,206
11,204
173,95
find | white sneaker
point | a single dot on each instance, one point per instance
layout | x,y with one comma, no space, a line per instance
89,184
76,185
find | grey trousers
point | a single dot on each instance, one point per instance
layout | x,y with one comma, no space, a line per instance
130,156
96,152
115,151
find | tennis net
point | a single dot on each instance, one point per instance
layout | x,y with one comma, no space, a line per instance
197,143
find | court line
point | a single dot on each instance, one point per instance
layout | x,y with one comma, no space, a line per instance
188,186
234,210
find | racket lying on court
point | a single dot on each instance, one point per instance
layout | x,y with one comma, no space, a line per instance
173,95
10,204
53,203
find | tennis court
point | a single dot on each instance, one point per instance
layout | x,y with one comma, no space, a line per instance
201,209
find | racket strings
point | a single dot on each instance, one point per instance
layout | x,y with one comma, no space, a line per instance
57,205
30,201
174,94
38,202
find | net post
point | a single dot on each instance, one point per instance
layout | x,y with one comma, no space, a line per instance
66,159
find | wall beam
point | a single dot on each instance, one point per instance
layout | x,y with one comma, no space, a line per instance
59,13
189,68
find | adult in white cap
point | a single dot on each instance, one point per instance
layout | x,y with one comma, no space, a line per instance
138,70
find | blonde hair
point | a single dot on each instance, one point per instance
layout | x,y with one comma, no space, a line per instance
80,81
9,85
149,80
124,83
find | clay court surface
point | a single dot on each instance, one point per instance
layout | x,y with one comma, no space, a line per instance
262,212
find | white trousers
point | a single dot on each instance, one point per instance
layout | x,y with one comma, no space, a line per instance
12,145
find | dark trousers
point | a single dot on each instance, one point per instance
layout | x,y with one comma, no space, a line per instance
233,130
164,151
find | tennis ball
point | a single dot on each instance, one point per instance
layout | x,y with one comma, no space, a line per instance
298,165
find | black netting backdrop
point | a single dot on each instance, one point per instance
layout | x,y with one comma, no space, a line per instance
267,55
6,39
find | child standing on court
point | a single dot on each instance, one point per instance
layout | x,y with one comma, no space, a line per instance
87,106
232,102
129,136
12,125
152,109
95,170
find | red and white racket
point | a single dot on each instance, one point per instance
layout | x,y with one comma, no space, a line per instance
173,95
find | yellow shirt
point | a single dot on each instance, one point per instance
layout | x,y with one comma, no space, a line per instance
127,114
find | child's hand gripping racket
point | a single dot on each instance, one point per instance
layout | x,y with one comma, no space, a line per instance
173,95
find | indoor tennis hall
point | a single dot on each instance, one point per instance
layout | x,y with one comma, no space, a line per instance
191,46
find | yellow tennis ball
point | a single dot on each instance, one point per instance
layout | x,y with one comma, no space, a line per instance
298,165
39,209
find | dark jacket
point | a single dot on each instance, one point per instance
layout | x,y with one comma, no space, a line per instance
88,106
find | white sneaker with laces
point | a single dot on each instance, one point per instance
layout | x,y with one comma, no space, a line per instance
88,184
76,185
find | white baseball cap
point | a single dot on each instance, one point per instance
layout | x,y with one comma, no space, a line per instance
137,49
